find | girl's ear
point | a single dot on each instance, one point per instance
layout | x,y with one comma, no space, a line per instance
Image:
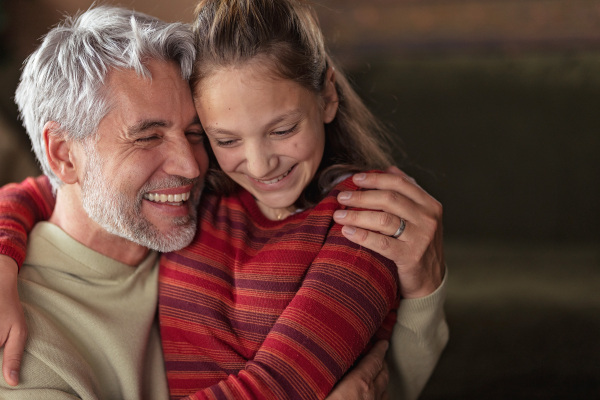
330,97
59,152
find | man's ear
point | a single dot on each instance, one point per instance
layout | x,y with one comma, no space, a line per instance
330,96
59,152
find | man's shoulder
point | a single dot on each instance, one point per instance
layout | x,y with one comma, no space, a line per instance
48,244
51,343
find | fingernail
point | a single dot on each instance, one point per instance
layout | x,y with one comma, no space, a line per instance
387,345
341,214
349,230
360,176
14,375
345,195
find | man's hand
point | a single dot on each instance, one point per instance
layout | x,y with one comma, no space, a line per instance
418,251
367,380
13,330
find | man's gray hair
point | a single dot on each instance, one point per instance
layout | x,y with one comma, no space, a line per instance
63,80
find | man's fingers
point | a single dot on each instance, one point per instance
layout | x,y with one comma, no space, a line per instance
382,222
392,169
403,223
381,382
359,383
392,200
385,245
373,362
400,182
13,353
385,209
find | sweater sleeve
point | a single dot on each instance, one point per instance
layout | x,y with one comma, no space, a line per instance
21,206
419,337
348,296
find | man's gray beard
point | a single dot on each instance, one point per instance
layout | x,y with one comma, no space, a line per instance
122,216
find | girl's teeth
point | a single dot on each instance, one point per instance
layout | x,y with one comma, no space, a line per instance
276,179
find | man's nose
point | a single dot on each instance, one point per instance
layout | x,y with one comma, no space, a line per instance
180,159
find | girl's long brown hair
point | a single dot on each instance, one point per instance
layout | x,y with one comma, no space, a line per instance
285,35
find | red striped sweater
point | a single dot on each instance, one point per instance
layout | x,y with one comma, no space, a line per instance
270,309
265,309
21,206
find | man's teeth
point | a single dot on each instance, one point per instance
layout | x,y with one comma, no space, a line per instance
167,198
272,181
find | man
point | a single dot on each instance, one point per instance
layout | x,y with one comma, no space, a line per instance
105,140
108,129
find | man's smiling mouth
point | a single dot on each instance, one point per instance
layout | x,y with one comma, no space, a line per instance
167,198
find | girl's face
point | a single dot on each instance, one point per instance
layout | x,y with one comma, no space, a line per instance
267,133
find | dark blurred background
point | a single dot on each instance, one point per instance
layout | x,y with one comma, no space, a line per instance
497,104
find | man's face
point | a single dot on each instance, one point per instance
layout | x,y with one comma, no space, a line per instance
143,175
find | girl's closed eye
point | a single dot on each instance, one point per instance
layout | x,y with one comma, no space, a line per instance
286,131
225,142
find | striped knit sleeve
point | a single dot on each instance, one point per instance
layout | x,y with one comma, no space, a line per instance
348,297
21,206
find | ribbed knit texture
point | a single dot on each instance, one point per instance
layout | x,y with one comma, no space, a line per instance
261,309
92,326
21,206
254,308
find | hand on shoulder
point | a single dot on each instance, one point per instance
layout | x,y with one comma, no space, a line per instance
404,224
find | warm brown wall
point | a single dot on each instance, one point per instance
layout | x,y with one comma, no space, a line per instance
24,23
171,10
497,98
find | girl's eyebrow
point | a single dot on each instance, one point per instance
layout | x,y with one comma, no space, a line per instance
288,115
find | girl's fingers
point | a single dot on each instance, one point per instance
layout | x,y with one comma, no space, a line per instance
13,353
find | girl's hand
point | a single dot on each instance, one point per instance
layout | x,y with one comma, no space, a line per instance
418,250
13,330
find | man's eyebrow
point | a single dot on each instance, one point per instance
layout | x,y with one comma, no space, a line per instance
145,125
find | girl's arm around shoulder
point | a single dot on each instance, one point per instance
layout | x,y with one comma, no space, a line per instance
13,329
21,206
